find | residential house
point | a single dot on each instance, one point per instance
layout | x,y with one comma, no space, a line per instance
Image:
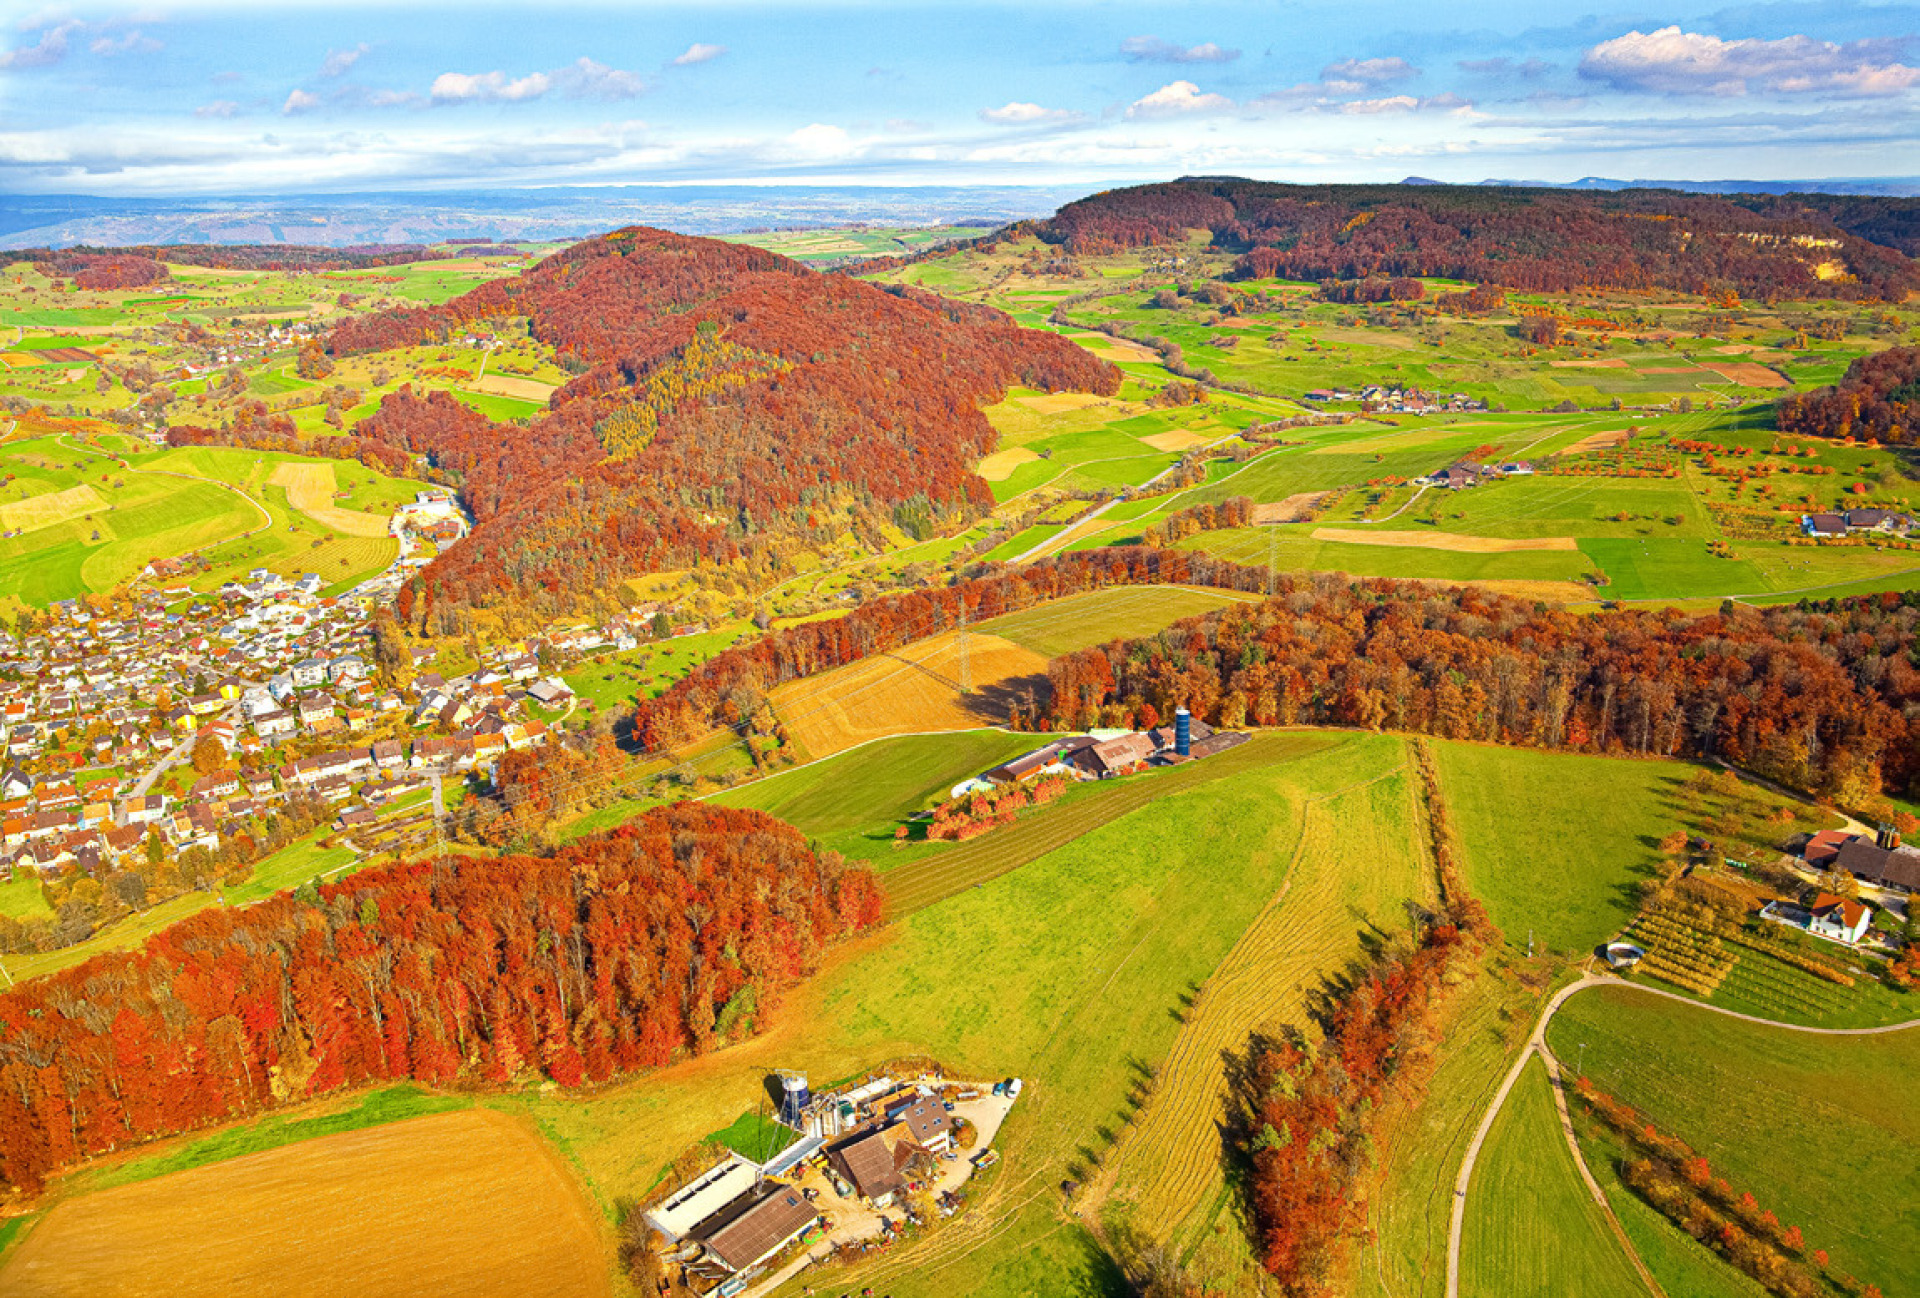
1841,918
866,1161
1823,524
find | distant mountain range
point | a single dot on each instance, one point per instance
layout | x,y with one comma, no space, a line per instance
1883,187
346,220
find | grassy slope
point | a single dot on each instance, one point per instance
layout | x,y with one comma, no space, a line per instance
1531,1230
1066,971
1820,1129
851,801
1098,616
1556,842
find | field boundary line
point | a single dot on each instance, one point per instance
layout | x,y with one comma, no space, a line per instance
1557,1083
1537,1043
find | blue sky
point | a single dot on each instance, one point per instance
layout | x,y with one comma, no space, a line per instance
272,97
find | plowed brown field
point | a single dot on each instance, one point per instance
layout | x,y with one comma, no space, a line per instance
464,1203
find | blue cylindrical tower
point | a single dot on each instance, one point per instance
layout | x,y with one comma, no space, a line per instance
1183,732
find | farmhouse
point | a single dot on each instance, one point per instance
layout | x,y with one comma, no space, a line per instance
1840,918
1896,868
1114,756
1823,524
867,1162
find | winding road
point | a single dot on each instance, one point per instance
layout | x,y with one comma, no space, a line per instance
1537,1043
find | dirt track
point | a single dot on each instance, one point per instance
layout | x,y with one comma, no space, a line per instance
466,1203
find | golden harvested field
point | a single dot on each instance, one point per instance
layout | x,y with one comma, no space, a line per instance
1748,374
905,692
1445,541
44,511
338,559
464,1203
1054,403
1600,441
1177,439
999,466
310,489
502,385
1291,510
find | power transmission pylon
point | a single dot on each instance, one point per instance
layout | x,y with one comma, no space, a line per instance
966,678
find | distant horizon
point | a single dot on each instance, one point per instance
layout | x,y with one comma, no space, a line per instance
106,98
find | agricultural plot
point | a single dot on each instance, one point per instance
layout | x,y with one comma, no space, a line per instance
1531,1228
1168,1169
1771,1110
1562,868
913,689
394,1210
1064,625
1068,971
851,802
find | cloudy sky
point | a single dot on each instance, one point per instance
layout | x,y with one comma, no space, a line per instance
275,96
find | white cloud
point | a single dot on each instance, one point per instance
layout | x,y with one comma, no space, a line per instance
134,41
1178,99
1015,113
218,108
1406,104
586,79
300,101
463,87
820,141
1675,62
47,51
1369,72
1151,49
699,53
338,62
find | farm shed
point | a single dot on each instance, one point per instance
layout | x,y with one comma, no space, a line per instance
679,1213
1113,756
868,1163
750,1230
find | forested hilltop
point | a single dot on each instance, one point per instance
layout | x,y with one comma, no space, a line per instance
1760,246
730,406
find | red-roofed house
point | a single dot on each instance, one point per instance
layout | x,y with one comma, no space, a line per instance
1840,918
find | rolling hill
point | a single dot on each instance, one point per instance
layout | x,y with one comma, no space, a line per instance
731,406
1760,246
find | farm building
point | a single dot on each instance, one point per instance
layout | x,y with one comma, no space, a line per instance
1896,868
1114,756
680,1213
755,1227
926,1123
1823,524
867,1162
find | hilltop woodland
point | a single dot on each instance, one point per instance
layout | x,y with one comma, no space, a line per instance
610,955
1535,240
1814,695
730,406
82,259
1878,399
1817,696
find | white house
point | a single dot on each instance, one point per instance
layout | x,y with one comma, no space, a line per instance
1840,918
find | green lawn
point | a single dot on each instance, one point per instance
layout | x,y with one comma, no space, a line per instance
1821,1130
1555,843
1532,1231
1096,617
853,800
21,898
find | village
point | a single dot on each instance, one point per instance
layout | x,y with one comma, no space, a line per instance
854,1169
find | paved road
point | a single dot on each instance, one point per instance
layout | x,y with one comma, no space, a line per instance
1537,1042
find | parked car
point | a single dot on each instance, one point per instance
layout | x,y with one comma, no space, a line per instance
1013,1088
999,1088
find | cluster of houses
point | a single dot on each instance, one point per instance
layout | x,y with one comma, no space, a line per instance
861,1151
1471,473
432,515
1397,399
242,343
1856,522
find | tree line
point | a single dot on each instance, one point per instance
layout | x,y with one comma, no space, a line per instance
615,953
1877,399
1530,239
